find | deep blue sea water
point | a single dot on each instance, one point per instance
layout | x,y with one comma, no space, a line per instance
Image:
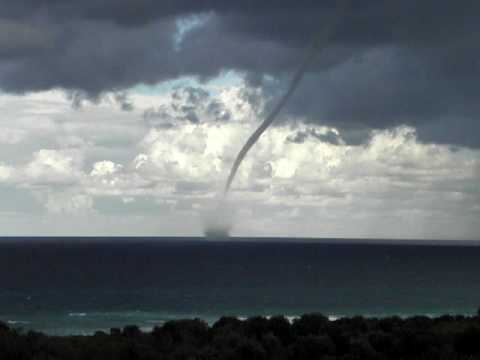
66,286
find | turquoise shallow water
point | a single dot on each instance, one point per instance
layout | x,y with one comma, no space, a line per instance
67,286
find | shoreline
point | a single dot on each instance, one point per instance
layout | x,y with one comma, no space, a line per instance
81,322
309,336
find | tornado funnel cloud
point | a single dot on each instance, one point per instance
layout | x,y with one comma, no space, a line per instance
267,122
320,41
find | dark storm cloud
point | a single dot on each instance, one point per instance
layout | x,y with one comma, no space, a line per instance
392,86
93,57
388,63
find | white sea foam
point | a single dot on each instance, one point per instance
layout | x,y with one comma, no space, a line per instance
146,328
18,322
77,314
292,318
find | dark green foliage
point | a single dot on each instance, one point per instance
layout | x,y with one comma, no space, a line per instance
193,332
312,336
3,327
468,341
281,328
390,324
255,327
310,324
312,347
131,331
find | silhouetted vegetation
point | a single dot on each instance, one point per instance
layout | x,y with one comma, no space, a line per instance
312,336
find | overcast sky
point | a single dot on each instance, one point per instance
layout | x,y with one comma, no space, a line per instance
125,120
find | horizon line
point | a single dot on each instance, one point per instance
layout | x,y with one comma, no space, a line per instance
251,239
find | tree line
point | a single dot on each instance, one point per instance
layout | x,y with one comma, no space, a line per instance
312,336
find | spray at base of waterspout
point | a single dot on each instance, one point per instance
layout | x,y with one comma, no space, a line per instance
219,220
216,234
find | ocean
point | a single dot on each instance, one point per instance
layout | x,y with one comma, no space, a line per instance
77,286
